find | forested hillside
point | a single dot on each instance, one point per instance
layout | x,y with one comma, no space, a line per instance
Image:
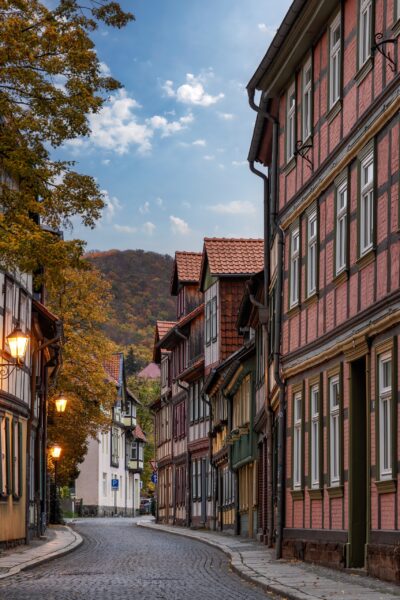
140,285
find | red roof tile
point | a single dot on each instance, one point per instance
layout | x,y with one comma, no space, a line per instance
151,371
234,256
112,366
162,327
188,265
138,433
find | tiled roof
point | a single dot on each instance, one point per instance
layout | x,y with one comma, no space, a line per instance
151,371
234,256
163,327
188,265
112,366
138,433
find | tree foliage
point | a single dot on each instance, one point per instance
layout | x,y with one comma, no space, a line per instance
50,82
82,299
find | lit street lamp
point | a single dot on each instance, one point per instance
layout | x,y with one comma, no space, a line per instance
18,343
61,403
55,453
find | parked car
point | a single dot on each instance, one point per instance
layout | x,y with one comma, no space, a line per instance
145,506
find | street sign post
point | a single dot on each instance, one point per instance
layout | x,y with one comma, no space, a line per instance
115,484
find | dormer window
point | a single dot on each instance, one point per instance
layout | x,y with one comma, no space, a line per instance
180,303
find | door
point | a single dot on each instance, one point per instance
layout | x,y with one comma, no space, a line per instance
358,464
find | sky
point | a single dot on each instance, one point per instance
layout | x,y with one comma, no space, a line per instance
169,150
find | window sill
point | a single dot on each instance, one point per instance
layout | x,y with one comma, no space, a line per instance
364,70
290,165
335,491
386,486
334,110
311,299
341,278
315,493
297,494
293,311
366,259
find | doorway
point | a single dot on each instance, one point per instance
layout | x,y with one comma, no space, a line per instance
358,464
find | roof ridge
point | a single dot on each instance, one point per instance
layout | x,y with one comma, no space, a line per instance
224,239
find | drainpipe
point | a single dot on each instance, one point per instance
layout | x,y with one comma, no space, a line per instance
278,318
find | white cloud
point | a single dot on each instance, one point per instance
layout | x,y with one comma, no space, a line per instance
221,166
112,206
226,116
208,157
239,163
104,69
166,127
145,208
268,29
199,143
105,161
159,201
192,92
149,227
125,228
186,204
179,226
234,207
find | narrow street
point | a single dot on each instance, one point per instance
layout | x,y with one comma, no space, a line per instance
120,560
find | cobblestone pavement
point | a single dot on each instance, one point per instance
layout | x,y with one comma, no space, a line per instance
118,560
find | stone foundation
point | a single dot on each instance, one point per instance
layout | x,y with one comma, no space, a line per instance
383,561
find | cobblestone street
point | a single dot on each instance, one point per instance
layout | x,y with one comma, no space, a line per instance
119,560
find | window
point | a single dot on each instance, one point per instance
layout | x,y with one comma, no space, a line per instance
294,267
312,254
334,60
297,449
134,451
114,447
334,423
16,449
194,479
8,309
214,318
315,436
385,404
366,203
365,32
397,10
209,479
272,315
241,404
105,488
141,451
341,228
260,354
3,457
208,322
307,100
291,122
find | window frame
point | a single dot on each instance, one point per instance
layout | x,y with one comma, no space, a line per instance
366,190
365,7
335,416
214,318
294,278
208,323
307,100
385,394
315,436
341,216
335,68
291,118
298,418
312,253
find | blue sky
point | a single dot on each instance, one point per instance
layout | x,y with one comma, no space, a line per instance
170,149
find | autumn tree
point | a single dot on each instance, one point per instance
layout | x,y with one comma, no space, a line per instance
50,82
81,299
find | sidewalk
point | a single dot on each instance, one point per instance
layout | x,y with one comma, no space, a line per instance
59,540
293,580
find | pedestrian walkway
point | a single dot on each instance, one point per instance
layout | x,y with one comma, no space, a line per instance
288,579
59,541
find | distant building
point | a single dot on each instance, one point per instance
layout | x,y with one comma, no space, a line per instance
151,371
109,479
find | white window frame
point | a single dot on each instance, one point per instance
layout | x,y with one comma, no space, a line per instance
290,123
294,266
341,227
366,205
385,417
312,238
397,5
335,58
307,100
214,319
334,433
297,441
105,484
315,483
365,32
208,322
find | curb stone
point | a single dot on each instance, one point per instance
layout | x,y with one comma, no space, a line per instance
34,562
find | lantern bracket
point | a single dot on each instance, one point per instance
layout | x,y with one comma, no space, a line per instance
380,45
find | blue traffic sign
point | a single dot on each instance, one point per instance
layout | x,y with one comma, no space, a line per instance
114,484
154,478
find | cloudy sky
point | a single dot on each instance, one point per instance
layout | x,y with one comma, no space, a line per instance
169,150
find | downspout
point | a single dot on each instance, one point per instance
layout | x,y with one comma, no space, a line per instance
278,320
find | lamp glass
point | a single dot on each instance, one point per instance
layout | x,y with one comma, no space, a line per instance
55,451
61,404
18,343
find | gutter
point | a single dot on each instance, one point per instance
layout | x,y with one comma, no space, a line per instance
271,216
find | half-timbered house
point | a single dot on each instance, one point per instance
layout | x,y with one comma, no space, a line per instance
328,130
